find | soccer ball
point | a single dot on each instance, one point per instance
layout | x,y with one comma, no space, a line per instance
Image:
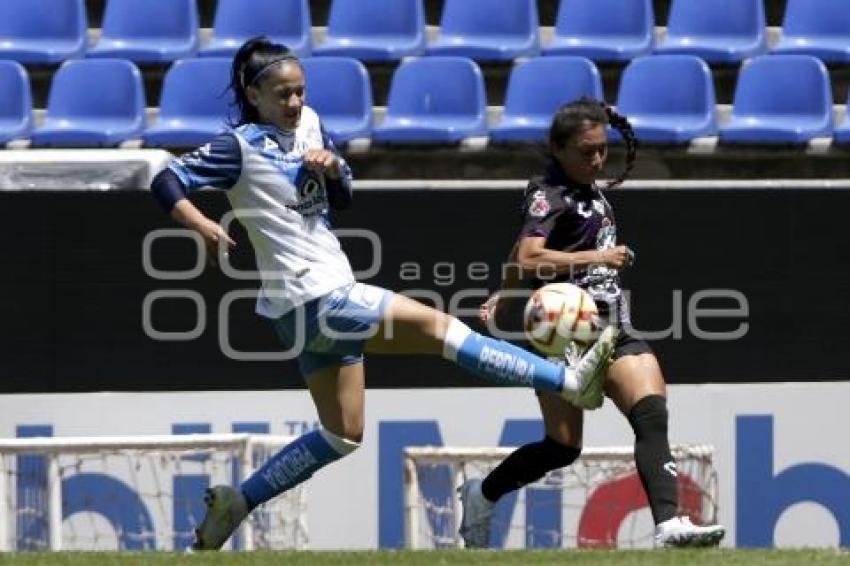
557,314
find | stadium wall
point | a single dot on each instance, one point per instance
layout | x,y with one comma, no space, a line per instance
739,284
783,478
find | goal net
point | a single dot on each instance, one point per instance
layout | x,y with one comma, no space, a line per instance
597,501
135,493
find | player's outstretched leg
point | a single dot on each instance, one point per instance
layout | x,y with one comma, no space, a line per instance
581,384
411,327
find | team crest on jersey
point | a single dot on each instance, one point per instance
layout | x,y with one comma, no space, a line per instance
312,198
539,206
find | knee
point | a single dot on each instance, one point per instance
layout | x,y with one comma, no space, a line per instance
342,445
649,416
560,454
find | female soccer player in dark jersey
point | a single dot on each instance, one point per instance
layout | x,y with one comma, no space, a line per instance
569,231
281,174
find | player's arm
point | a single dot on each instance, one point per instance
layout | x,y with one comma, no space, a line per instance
337,173
215,165
532,254
487,310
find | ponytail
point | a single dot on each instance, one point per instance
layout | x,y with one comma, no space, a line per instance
622,125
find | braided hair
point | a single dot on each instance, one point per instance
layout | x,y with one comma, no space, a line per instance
254,58
571,117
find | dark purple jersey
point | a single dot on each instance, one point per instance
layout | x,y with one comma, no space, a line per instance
574,218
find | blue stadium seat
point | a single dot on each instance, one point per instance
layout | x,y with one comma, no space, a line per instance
93,103
42,31
15,102
282,21
153,31
434,100
339,90
374,30
668,98
536,89
817,27
479,30
719,31
780,99
189,115
603,30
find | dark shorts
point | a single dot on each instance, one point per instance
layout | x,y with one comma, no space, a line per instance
629,345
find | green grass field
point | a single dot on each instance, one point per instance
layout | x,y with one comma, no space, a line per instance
583,557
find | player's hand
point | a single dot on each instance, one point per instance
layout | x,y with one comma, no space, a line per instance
218,243
323,161
618,257
488,308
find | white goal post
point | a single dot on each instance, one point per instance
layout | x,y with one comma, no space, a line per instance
595,502
74,492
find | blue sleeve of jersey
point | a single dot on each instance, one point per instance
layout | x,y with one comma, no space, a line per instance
339,190
167,189
217,164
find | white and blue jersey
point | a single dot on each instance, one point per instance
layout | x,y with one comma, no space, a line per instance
282,204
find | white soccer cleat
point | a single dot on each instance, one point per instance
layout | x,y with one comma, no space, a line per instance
573,353
226,508
590,371
681,532
477,513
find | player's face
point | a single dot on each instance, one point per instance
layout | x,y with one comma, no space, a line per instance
583,155
279,95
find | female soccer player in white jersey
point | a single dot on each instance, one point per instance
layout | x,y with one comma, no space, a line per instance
569,225
281,173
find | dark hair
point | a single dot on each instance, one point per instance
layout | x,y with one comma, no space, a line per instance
252,60
571,117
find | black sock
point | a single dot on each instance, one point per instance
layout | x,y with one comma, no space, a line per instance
652,455
527,464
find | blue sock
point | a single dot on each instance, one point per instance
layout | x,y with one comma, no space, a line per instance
500,362
295,463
